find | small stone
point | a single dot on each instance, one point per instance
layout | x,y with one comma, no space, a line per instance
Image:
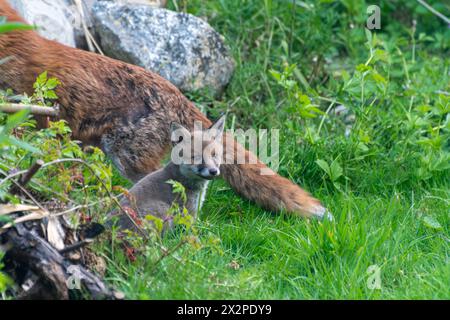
74,256
119,295
234,265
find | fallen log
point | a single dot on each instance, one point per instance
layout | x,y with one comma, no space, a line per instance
40,248
57,277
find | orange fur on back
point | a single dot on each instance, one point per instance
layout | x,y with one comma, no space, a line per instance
127,110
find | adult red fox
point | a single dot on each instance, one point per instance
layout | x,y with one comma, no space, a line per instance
126,111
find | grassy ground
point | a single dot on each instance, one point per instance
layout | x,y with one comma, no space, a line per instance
383,169
387,182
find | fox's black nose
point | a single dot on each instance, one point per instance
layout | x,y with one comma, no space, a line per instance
213,171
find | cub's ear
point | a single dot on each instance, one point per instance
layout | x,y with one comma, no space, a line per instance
178,133
217,128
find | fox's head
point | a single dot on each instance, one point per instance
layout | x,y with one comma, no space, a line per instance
198,153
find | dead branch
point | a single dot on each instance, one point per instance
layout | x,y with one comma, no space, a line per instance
89,167
76,246
434,11
31,172
35,110
28,194
90,40
28,175
56,275
166,253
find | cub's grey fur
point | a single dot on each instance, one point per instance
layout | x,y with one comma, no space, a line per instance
152,195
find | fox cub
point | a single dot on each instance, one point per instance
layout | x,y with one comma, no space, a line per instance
192,166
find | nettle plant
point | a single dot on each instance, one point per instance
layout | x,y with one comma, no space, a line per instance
21,145
401,115
401,108
5,136
297,103
71,176
152,244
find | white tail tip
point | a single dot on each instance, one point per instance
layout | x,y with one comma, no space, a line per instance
322,213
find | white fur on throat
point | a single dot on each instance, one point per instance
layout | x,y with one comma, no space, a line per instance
201,196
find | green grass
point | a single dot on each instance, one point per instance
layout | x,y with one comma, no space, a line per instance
391,202
282,257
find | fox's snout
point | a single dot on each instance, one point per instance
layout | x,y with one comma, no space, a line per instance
209,173
214,171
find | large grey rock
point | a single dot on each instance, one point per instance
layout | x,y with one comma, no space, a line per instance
154,3
51,17
178,46
78,16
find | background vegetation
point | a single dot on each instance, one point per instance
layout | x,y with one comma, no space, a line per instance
382,166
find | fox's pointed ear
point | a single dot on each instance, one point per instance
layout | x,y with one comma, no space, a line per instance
178,133
218,127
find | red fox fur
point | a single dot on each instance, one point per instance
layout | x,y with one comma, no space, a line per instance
127,110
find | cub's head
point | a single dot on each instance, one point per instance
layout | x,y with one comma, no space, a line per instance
198,153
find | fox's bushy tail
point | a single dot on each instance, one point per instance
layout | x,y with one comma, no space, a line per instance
269,190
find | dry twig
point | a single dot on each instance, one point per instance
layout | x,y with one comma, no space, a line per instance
35,110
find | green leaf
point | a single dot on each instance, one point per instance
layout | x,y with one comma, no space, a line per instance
314,109
16,119
275,74
5,282
336,170
363,68
378,78
158,222
178,188
5,219
368,36
380,55
52,83
50,94
185,220
23,145
432,223
324,166
11,26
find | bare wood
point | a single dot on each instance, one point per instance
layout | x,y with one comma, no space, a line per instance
29,195
434,11
12,208
31,172
53,270
90,40
35,110
89,167
27,176
76,246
